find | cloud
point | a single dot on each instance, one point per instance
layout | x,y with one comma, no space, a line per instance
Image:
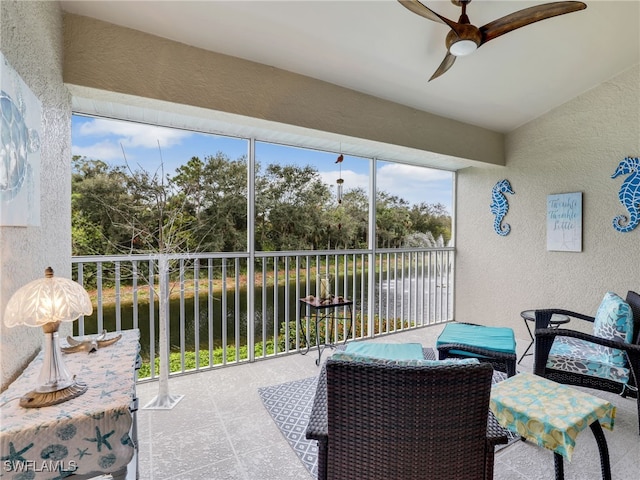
105,150
351,179
133,135
412,183
409,175
416,184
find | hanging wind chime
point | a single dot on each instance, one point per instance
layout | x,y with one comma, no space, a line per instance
340,181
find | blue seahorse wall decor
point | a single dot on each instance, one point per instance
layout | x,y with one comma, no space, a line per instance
629,194
500,206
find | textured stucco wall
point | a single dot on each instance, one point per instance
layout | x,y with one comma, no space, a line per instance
31,41
113,58
574,148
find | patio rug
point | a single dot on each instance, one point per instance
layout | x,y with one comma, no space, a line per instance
289,404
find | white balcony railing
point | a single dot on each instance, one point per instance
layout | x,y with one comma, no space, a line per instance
213,296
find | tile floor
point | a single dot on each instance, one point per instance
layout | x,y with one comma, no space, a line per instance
220,429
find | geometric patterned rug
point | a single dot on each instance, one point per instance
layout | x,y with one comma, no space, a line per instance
289,404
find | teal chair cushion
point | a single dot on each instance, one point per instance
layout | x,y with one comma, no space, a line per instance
353,357
614,319
389,351
586,358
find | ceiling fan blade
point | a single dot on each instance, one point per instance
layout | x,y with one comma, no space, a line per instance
446,64
527,16
419,9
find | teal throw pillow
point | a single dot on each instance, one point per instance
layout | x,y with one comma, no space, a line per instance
614,319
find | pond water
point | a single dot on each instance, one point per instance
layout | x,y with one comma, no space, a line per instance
210,317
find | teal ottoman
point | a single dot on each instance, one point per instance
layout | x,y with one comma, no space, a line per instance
496,345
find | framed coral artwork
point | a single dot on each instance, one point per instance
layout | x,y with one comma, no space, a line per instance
564,222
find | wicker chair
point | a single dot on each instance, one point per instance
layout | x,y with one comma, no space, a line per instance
544,341
406,422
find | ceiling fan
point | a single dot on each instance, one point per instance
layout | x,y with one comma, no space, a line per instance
464,38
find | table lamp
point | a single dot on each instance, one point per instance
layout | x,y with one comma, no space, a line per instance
46,303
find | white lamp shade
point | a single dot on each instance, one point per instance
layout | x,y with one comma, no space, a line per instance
47,300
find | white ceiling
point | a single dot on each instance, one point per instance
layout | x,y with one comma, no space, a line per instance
382,49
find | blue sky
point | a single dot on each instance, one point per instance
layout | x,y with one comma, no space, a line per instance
149,147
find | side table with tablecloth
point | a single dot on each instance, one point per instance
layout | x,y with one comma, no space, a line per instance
551,415
86,436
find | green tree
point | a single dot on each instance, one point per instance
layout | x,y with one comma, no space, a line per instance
190,179
290,201
99,201
356,204
203,207
158,218
392,220
348,222
431,218
215,192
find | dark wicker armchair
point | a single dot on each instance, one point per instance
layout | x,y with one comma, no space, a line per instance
398,422
546,336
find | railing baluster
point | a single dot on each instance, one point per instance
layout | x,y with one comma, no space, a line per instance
388,288
182,315
223,316
441,287
429,270
117,286
196,310
395,291
210,308
287,302
306,309
152,333
81,282
353,295
263,314
134,286
297,305
276,327
100,306
416,289
402,295
342,290
237,308
422,289
364,290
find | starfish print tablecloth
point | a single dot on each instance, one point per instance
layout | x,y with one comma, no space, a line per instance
86,434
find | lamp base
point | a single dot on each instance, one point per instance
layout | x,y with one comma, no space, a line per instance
35,399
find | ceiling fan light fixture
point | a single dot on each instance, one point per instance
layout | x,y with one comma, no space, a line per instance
465,38
463,47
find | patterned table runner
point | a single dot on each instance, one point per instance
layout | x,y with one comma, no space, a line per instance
546,412
89,433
